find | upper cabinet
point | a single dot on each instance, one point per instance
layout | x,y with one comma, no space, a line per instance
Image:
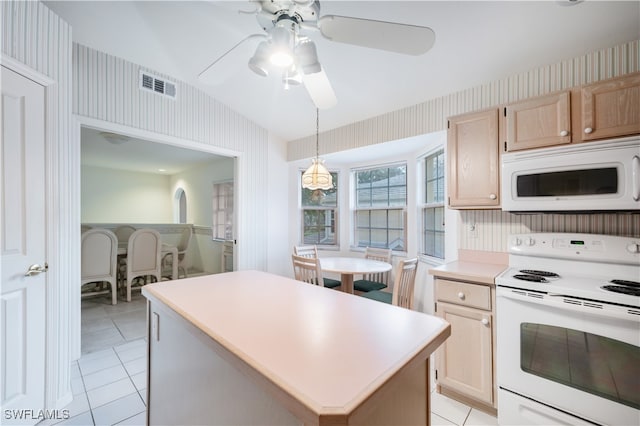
538,122
610,108
474,160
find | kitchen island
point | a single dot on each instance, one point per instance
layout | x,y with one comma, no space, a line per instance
253,348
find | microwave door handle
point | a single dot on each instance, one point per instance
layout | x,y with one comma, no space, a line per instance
635,176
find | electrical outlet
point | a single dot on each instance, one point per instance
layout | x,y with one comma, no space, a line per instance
473,230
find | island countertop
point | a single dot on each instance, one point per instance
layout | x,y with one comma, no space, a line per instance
322,353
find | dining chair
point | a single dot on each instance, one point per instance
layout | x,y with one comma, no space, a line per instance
123,233
143,257
182,247
311,251
99,261
377,280
403,286
308,270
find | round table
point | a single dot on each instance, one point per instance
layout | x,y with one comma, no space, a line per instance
348,266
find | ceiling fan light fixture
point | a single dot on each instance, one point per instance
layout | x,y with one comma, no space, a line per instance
259,62
308,57
281,47
291,77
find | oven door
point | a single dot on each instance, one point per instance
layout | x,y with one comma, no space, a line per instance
579,357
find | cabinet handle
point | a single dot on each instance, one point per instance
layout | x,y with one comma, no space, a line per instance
461,296
492,196
588,130
485,321
564,133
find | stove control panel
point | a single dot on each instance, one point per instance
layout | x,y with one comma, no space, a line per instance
591,247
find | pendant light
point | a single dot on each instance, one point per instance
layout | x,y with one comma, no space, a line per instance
317,176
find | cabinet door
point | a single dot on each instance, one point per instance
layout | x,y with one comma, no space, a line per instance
538,122
465,360
611,108
474,160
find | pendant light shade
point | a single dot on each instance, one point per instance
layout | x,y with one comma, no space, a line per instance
317,176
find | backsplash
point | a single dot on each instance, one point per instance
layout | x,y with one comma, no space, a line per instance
488,230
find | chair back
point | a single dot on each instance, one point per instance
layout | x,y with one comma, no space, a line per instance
185,239
307,269
382,255
143,254
123,232
305,251
404,284
99,256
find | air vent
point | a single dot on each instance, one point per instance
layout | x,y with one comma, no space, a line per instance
157,85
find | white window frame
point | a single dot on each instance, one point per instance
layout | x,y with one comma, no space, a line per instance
336,213
423,205
222,199
356,209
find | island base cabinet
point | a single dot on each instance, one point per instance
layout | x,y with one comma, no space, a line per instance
190,383
192,379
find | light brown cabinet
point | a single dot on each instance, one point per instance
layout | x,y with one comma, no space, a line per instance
538,122
474,160
465,362
610,108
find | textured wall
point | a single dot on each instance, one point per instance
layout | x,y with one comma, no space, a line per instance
35,36
106,88
431,116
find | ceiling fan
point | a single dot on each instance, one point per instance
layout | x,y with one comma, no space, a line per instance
286,48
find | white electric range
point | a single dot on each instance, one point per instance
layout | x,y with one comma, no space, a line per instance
568,323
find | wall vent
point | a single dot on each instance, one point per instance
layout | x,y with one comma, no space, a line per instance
157,85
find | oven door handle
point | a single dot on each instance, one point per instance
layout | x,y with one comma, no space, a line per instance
560,301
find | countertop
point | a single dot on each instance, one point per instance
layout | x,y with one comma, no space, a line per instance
328,350
479,272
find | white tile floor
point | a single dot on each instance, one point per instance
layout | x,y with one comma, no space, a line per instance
109,380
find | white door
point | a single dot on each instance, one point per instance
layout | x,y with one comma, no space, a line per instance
22,234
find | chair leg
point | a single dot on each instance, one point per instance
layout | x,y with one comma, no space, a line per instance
114,292
128,290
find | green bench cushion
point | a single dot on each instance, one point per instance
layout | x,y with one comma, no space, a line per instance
366,285
380,296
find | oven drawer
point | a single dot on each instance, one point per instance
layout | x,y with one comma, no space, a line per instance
465,294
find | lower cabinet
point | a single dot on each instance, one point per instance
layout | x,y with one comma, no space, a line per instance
465,362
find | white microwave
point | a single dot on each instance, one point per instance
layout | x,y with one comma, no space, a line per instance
592,176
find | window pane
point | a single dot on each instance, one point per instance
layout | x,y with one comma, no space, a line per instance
439,218
363,238
433,231
319,227
396,219
379,219
363,219
396,240
380,197
363,197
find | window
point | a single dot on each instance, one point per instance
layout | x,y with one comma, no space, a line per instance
381,201
433,207
223,211
320,214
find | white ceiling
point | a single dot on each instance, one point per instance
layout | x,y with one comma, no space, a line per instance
138,155
476,42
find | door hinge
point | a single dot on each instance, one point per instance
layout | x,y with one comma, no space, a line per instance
448,124
505,111
435,307
436,374
505,146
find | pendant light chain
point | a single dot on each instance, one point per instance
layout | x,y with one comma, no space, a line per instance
317,133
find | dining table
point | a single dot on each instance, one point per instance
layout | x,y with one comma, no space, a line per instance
166,249
347,267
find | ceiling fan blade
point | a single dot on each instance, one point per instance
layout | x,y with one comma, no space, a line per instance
227,64
399,38
320,90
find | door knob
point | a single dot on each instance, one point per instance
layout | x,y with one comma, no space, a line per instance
564,133
36,269
485,321
588,130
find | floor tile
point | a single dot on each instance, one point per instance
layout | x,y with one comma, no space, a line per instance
77,386
110,392
79,405
143,395
118,410
88,366
95,341
136,366
93,313
97,325
134,344
75,370
84,419
106,351
133,353
132,330
479,418
449,409
436,420
139,419
104,377
140,380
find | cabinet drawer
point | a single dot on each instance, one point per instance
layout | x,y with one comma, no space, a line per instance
465,294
